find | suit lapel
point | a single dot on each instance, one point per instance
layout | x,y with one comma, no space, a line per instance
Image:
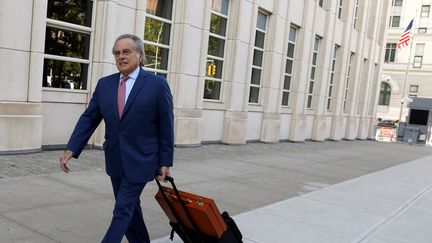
139,83
114,90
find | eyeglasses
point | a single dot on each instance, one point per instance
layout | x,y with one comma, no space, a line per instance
125,52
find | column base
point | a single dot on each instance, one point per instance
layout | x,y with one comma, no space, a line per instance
187,127
234,130
352,128
270,130
319,130
298,128
20,127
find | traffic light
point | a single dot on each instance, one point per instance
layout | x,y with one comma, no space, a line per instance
211,69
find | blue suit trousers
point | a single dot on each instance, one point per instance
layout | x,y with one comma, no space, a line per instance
127,215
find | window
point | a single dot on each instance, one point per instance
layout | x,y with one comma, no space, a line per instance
413,88
67,44
418,61
339,11
321,3
216,50
356,14
258,57
385,93
413,91
397,3
425,11
345,99
157,34
313,72
289,66
422,30
394,21
332,77
390,52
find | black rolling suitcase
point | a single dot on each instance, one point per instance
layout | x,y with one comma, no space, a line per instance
196,219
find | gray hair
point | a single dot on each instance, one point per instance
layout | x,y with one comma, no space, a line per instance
139,45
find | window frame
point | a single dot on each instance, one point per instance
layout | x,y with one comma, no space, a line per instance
222,59
391,22
397,1
330,87
389,51
255,67
385,94
287,90
313,72
168,47
417,64
77,28
424,13
347,81
413,88
422,30
356,9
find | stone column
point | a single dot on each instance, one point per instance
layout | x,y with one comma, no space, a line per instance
339,118
188,66
273,73
239,42
21,49
301,67
320,121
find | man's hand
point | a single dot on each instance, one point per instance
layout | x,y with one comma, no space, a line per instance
64,159
163,172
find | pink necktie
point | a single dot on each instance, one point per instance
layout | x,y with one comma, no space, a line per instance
121,94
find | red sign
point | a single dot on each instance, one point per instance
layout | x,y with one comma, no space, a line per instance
386,134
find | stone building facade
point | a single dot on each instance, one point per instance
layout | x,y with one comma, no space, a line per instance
239,70
407,72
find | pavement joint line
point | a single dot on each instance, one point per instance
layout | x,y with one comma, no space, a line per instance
315,186
394,214
249,240
33,230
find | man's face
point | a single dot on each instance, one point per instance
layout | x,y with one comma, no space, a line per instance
126,57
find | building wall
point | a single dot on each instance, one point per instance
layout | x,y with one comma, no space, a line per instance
33,116
400,73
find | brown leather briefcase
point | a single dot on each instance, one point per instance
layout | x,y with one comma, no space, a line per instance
202,210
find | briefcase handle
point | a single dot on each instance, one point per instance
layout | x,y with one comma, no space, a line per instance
170,179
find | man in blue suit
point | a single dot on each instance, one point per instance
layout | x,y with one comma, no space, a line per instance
137,109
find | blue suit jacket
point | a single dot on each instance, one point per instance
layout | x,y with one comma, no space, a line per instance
143,139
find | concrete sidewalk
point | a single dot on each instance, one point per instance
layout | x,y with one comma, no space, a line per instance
348,191
391,206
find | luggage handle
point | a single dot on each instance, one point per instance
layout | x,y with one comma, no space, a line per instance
171,180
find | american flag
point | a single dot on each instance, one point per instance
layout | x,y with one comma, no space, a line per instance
406,36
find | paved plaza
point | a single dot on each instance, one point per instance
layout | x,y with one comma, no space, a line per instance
346,191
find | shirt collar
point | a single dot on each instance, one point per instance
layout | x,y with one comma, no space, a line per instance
133,75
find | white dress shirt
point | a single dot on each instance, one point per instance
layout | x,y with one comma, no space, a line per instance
130,82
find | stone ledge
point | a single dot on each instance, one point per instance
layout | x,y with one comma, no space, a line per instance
20,108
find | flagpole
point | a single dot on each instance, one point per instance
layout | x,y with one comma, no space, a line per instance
406,77
406,71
